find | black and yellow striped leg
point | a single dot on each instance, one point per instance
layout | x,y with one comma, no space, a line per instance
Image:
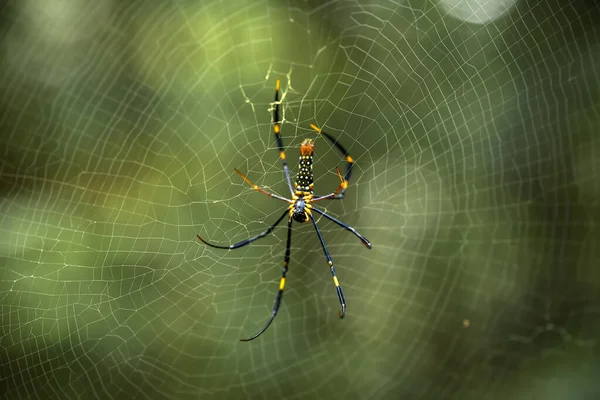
338,288
286,262
363,239
277,131
349,160
247,241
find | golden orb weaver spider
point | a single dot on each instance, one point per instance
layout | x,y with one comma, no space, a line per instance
301,207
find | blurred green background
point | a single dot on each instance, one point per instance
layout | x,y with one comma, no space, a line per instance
475,129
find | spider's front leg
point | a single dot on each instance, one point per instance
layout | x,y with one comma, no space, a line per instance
336,282
286,262
246,241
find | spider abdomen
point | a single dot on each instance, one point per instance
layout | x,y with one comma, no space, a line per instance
305,178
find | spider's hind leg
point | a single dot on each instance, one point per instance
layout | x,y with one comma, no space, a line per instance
277,132
339,192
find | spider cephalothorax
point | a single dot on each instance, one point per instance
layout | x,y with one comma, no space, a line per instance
300,207
299,210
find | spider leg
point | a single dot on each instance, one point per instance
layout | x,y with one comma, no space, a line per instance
263,191
363,239
343,186
277,303
339,193
247,241
277,131
338,288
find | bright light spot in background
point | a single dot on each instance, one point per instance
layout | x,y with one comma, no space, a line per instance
477,11
65,21
41,43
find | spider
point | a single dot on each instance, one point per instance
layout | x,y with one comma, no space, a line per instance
300,207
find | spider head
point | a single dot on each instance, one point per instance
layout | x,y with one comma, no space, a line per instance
299,210
307,147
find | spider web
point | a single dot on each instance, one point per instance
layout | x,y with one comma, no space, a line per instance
474,127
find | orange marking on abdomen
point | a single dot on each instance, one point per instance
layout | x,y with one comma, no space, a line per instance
307,148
